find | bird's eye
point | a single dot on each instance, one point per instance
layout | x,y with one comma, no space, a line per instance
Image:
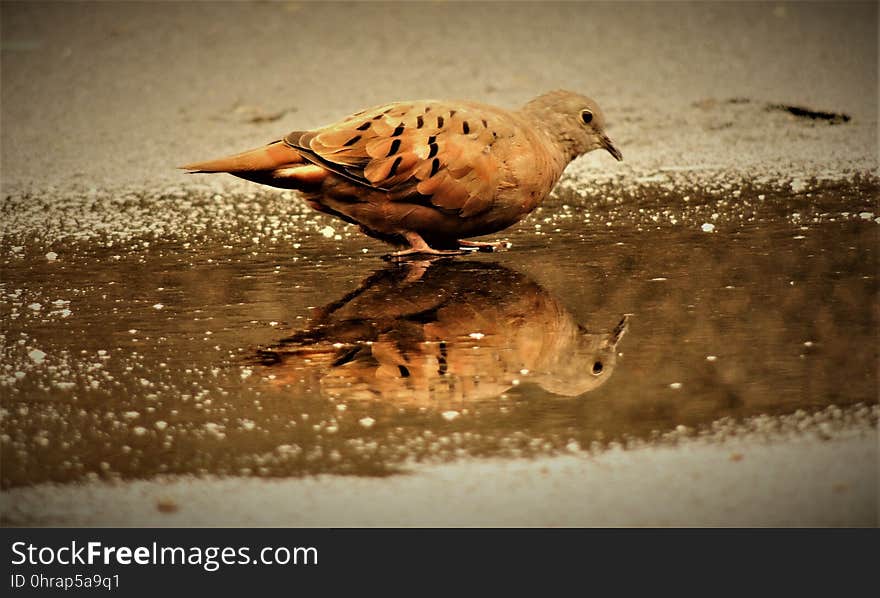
597,368
586,116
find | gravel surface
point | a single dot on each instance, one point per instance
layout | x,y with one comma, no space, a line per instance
109,95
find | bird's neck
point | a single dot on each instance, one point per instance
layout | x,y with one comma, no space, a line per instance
552,127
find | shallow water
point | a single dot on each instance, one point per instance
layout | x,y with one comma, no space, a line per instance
210,344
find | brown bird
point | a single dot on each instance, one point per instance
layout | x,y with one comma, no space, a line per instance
444,332
427,174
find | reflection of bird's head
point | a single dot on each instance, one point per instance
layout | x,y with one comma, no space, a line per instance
586,364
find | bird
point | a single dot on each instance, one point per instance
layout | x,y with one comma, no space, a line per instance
429,175
443,331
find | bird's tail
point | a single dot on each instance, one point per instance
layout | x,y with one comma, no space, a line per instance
276,164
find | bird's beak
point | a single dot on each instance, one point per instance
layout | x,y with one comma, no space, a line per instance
612,149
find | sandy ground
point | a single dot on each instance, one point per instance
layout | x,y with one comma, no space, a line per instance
697,483
106,97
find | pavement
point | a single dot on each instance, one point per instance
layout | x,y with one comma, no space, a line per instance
831,482
109,95
102,101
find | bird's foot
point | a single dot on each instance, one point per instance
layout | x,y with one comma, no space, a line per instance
423,252
419,247
484,246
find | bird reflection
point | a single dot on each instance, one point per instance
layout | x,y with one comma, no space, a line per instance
445,331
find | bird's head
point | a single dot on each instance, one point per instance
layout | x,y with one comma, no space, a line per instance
574,123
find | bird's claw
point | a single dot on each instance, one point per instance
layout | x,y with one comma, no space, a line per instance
421,254
484,246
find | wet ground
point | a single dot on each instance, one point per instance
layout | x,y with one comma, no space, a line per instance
236,336
688,337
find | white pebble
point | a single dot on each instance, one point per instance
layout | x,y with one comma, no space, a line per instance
158,306
675,385
450,415
37,356
367,422
798,185
708,227
51,256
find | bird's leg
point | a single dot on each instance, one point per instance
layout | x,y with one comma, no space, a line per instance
418,246
484,246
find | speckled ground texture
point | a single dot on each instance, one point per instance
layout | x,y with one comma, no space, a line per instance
139,304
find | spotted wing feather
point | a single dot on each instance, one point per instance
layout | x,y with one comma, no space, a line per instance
436,149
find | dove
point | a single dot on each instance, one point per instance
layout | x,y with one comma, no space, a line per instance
427,175
443,332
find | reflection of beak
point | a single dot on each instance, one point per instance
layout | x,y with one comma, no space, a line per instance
609,145
622,326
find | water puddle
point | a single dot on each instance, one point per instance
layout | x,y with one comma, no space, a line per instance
213,349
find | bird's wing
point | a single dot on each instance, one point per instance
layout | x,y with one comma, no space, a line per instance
439,150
